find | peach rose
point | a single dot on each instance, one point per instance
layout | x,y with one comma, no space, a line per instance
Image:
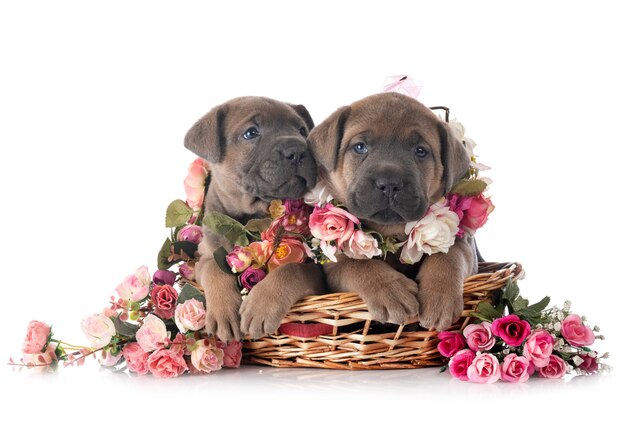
260,252
194,183
37,335
99,329
167,363
484,369
288,251
538,347
330,223
152,334
361,245
206,356
515,369
555,369
575,332
135,287
190,315
136,358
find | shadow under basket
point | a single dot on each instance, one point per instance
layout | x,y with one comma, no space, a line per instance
356,342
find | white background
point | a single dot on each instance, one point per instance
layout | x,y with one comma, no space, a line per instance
95,99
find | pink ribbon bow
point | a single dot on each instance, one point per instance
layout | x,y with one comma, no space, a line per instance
402,84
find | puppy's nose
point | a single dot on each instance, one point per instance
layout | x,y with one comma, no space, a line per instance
293,152
389,184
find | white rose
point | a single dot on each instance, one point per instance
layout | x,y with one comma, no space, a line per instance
434,233
152,334
361,245
329,250
319,195
99,329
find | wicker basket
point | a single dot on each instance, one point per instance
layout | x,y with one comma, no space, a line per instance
357,342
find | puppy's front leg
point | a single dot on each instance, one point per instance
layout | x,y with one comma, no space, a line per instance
271,299
390,296
222,299
440,280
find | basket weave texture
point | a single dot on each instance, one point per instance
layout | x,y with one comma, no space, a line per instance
357,342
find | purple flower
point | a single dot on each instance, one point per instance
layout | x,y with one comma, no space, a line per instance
164,277
251,277
191,233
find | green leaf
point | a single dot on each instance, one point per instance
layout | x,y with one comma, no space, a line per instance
540,306
519,304
469,187
487,311
125,329
227,227
178,214
162,260
188,292
219,256
511,291
258,225
187,247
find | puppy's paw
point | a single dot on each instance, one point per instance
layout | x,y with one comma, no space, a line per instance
439,310
262,311
393,299
222,317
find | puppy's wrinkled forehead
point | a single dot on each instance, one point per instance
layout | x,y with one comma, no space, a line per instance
262,112
390,115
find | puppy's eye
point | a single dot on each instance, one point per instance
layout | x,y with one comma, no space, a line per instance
250,133
421,152
303,131
360,148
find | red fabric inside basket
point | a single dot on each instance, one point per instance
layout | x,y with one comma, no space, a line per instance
305,330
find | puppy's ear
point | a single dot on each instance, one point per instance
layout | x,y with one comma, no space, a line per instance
325,138
304,114
454,157
206,136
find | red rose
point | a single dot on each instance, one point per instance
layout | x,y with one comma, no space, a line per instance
511,329
450,343
164,298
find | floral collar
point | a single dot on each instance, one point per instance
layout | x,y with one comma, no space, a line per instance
318,228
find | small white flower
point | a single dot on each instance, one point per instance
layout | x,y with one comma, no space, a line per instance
539,326
557,326
329,250
596,328
592,354
506,351
319,195
567,306
577,360
550,326
560,315
583,318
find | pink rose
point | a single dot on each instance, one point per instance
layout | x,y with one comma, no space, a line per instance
484,369
575,332
450,343
288,251
152,334
191,233
589,364
188,271
472,211
361,245
555,369
99,329
190,315
538,347
232,353
239,259
135,287
45,357
260,251
164,277
194,183
460,362
330,223
479,337
515,369
37,335
164,298
136,358
251,277
206,356
167,363
511,329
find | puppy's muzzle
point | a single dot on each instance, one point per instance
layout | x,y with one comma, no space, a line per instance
389,183
292,151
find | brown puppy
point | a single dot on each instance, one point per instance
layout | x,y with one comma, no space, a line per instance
387,158
257,151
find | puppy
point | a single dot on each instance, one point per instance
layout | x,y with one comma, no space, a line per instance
257,151
387,159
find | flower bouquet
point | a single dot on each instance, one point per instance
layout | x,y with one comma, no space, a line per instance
513,340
